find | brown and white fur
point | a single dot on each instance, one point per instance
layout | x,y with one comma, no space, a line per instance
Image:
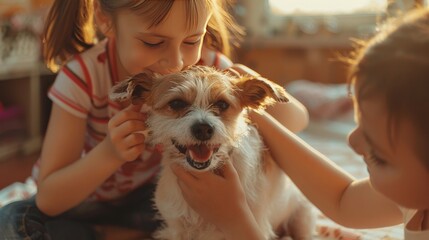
199,115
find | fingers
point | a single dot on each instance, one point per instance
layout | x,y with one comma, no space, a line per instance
135,107
130,145
125,116
183,174
133,139
133,151
233,72
244,70
229,170
127,132
131,126
186,180
124,132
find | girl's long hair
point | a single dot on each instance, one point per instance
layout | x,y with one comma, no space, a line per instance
70,27
69,30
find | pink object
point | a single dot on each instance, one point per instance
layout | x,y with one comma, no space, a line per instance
10,113
323,101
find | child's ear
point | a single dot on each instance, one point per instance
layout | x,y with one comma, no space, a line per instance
136,89
103,20
258,92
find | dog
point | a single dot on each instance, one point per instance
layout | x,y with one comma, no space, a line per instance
199,115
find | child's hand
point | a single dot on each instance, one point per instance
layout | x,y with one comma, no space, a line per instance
240,69
126,143
218,199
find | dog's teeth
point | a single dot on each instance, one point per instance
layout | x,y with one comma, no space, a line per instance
198,165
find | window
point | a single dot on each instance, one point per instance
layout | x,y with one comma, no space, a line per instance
330,18
326,7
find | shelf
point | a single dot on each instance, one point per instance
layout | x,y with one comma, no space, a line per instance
22,70
31,72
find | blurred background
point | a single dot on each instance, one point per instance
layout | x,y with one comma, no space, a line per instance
287,41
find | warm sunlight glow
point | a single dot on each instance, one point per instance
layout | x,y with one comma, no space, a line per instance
327,6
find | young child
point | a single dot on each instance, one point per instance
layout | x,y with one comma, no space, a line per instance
390,79
94,167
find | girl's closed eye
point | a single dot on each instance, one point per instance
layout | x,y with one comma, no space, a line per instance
152,45
158,44
374,158
194,42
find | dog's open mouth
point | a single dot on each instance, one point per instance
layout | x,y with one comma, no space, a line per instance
198,155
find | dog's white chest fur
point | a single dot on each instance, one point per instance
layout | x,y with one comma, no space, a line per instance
182,222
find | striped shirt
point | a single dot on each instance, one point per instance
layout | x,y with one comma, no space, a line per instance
82,88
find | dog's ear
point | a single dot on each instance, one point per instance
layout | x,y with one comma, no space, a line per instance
257,92
135,89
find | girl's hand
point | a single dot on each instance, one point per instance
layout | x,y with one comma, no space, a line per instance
218,199
293,114
240,69
123,133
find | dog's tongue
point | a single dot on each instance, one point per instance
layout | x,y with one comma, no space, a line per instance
200,153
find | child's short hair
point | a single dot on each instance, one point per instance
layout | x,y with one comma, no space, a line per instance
70,29
394,65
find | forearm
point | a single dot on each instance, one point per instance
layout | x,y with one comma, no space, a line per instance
292,115
244,227
322,182
69,186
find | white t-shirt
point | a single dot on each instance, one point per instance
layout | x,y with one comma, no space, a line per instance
409,234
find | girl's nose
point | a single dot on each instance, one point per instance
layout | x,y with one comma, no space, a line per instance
172,61
357,141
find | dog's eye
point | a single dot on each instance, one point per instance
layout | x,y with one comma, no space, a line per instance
222,105
178,104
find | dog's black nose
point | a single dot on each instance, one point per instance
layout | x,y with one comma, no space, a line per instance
202,131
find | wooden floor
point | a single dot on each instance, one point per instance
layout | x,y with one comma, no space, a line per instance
16,168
